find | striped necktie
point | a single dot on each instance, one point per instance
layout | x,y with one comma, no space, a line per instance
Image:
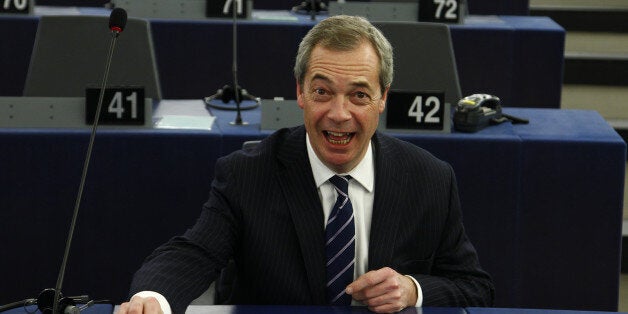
340,246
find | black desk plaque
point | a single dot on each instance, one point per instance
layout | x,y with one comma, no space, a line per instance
15,6
411,111
222,8
440,11
121,106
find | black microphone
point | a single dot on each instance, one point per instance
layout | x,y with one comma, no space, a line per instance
117,22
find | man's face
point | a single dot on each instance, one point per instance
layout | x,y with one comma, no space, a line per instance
341,100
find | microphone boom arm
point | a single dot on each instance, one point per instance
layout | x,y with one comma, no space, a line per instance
118,16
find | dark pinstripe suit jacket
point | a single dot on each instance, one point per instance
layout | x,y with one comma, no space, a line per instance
264,212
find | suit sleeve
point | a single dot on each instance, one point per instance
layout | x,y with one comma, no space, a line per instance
456,278
184,267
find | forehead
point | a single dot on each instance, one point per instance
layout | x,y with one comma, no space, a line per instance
361,61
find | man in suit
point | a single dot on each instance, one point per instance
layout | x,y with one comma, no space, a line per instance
331,212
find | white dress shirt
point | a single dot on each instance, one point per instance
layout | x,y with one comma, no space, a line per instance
362,195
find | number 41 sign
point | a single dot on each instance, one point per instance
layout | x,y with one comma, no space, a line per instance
416,111
120,106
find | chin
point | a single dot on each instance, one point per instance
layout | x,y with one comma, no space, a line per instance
337,163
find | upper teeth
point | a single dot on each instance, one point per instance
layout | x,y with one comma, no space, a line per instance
337,133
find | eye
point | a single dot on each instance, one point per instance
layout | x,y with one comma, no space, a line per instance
360,97
320,91
320,94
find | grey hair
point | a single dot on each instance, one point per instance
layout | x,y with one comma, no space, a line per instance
345,33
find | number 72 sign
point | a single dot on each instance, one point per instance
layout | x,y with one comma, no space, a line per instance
442,11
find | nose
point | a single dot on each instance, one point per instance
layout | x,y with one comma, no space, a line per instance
339,109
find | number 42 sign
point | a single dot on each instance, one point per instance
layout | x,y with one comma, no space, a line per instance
416,111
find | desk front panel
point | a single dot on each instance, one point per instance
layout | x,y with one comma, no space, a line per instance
571,213
142,188
525,191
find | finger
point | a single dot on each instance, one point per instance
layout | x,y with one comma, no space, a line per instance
385,293
386,308
151,305
381,282
369,279
135,306
140,305
394,293
123,308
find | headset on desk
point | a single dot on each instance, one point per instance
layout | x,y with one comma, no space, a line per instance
226,94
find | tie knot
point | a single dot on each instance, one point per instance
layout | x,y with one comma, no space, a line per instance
341,182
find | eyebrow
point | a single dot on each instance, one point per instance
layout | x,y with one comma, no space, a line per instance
323,77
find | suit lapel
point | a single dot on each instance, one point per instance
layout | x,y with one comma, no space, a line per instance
387,213
299,190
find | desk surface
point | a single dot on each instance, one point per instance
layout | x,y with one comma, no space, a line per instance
536,198
479,310
257,309
271,309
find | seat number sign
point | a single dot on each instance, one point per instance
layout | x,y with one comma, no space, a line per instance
15,6
121,106
217,8
442,11
415,110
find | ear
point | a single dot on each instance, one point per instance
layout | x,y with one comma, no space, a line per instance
382,101
300,96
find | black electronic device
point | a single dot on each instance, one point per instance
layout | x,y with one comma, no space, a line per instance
227,94
477,111
45,300
312,7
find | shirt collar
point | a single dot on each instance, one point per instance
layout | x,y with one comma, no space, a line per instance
363,173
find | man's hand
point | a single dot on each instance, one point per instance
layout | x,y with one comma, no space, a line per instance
139,305
384,290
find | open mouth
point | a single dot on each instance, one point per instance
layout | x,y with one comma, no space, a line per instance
338,138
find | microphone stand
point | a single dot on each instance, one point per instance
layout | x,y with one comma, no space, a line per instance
237,93
51,300
234,66
57,292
